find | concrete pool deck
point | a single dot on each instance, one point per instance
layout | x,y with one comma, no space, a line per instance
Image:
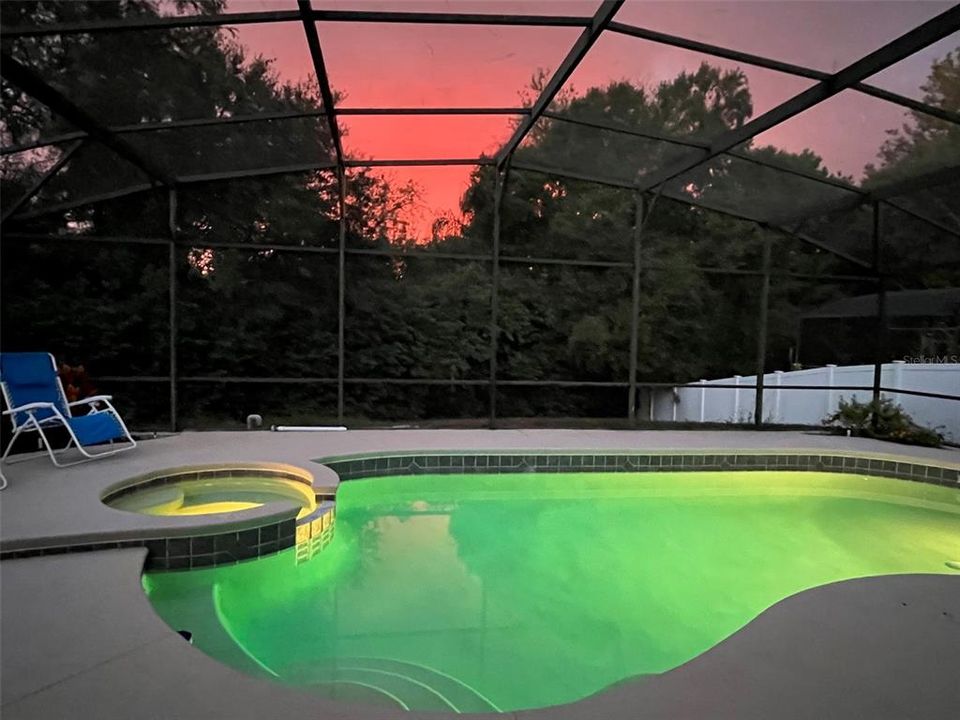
80,639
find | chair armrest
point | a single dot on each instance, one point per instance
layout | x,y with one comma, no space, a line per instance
28,407
91,400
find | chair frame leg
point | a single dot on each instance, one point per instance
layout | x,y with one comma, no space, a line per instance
33,425
16,434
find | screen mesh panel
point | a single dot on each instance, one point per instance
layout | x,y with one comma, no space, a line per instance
256,312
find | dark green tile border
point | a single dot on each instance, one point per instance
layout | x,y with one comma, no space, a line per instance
190,551
520,462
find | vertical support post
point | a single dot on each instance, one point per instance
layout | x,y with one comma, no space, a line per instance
341,291
778,374
172,269
880,347
762,330
500,183
635,306
897,380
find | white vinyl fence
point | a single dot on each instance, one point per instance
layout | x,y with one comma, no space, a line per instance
810,407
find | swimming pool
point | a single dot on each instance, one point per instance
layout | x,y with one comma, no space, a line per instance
508,591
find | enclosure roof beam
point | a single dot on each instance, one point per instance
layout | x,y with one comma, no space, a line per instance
623,130
927,181
693,202
252,173
80,202
256,172
32,84
419,162
581,47
777,65
920,37
382,111
126,24
133,128
451,18
747,157
881,193
42,180
323,80
700,145
148,22
360,16
530,167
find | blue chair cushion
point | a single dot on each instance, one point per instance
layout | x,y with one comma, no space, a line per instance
31,377
96,428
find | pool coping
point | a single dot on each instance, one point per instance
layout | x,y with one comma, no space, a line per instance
232,537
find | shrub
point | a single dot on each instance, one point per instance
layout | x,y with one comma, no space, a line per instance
884,420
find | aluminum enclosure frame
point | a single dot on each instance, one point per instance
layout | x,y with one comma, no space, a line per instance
645,188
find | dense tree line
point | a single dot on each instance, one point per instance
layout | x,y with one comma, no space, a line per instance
259,311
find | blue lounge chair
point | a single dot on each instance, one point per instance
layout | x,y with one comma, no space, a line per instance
36,402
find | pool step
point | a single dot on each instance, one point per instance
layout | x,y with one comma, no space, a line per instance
359,692
406,684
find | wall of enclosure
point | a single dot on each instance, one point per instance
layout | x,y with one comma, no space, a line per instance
200,334
215,243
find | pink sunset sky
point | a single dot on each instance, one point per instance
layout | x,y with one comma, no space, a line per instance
489,66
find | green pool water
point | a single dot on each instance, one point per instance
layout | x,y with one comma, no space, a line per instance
501,592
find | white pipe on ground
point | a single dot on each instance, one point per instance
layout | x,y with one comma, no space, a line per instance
308,428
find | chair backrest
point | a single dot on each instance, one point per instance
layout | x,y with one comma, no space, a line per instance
28,377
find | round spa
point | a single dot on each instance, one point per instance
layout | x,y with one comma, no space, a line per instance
212,491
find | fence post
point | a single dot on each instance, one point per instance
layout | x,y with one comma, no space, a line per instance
831,368
778,375
897,380
736,398
762,329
